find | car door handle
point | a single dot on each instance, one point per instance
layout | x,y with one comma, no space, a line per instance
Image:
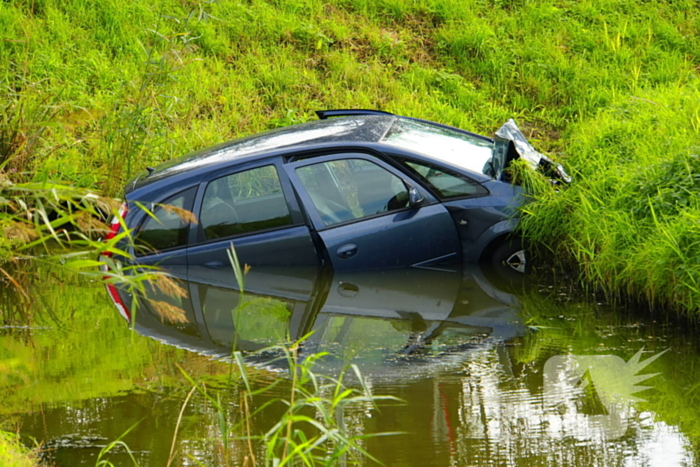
214,264
347,251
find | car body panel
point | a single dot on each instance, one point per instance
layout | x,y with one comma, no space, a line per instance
292,246
408,238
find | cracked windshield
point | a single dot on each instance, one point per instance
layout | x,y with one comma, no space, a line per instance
402,233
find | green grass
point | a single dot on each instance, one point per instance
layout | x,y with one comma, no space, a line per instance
12,453
138,83
631,220
93,92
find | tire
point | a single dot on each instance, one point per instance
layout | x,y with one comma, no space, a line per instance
510,255
506,265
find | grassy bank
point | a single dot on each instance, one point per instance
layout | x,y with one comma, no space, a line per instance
128,85
631,221
93,92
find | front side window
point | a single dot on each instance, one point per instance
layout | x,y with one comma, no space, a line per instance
244,202
446,183
348,189
167,227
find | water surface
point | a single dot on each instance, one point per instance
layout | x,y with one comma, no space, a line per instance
465,353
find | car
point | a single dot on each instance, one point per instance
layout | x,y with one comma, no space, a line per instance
355,190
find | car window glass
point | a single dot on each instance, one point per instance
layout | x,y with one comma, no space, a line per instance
244,202
446,183
349,189
445,144
168,226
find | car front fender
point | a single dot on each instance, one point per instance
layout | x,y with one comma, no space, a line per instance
474,252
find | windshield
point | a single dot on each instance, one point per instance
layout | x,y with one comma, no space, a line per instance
445,144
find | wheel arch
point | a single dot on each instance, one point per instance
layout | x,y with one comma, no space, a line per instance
491,239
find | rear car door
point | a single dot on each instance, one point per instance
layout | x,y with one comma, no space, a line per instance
360,208
252,207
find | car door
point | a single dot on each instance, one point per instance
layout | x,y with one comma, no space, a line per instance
252,207
361,209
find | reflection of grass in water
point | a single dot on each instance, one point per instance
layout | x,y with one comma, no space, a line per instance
76,337
578,327
261,319
311,429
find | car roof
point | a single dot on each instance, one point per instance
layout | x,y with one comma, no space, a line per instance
354,129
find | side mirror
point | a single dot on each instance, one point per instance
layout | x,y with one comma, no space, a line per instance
414,197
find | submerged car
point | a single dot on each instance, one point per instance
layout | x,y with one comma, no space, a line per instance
357,190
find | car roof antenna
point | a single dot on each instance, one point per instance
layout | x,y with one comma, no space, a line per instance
150,170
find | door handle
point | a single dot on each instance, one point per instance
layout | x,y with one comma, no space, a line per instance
214,264
347,251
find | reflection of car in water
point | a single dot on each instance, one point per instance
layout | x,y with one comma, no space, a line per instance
375,318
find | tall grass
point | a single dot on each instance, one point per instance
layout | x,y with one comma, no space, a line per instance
139,83
631,219
13,453
310,429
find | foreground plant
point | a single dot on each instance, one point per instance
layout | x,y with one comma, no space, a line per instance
13,453
289,440
311,430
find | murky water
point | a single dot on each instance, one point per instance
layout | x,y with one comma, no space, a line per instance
487,373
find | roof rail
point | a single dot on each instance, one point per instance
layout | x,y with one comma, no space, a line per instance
324,114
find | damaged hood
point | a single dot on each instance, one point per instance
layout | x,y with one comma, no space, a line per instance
510,143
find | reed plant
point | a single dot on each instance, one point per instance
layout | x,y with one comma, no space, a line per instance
311,428
13,453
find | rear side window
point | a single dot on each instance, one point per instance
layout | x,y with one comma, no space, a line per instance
244,202
167,228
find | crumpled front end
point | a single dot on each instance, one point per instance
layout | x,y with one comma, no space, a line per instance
510,143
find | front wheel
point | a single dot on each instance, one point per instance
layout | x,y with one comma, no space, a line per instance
509,256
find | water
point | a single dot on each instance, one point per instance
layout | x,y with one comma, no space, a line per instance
488,373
